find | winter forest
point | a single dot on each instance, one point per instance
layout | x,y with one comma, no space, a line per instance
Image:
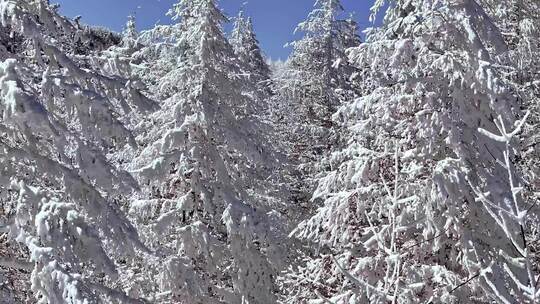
395,163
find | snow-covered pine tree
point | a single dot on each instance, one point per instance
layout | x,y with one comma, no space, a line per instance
316,74
130,32
201,169
59,193
162,53
317,82
246,47
121,61
319,60
423,205
257,80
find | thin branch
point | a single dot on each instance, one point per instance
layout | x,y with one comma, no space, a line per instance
466,282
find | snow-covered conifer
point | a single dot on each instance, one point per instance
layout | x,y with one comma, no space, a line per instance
130,32
317,81
60,193
246,47
411,175
202,167
255,72
424,203
163,51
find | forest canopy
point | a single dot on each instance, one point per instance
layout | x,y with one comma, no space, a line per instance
180,165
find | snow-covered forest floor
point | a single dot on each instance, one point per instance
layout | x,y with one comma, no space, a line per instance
177,165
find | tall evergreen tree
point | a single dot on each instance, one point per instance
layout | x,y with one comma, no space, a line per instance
202,167
317,82
255,72
246,48
424,203
162,51
60,192
414,158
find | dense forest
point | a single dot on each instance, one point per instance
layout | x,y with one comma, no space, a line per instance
180,165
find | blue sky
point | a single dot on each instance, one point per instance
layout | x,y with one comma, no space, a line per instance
274,20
